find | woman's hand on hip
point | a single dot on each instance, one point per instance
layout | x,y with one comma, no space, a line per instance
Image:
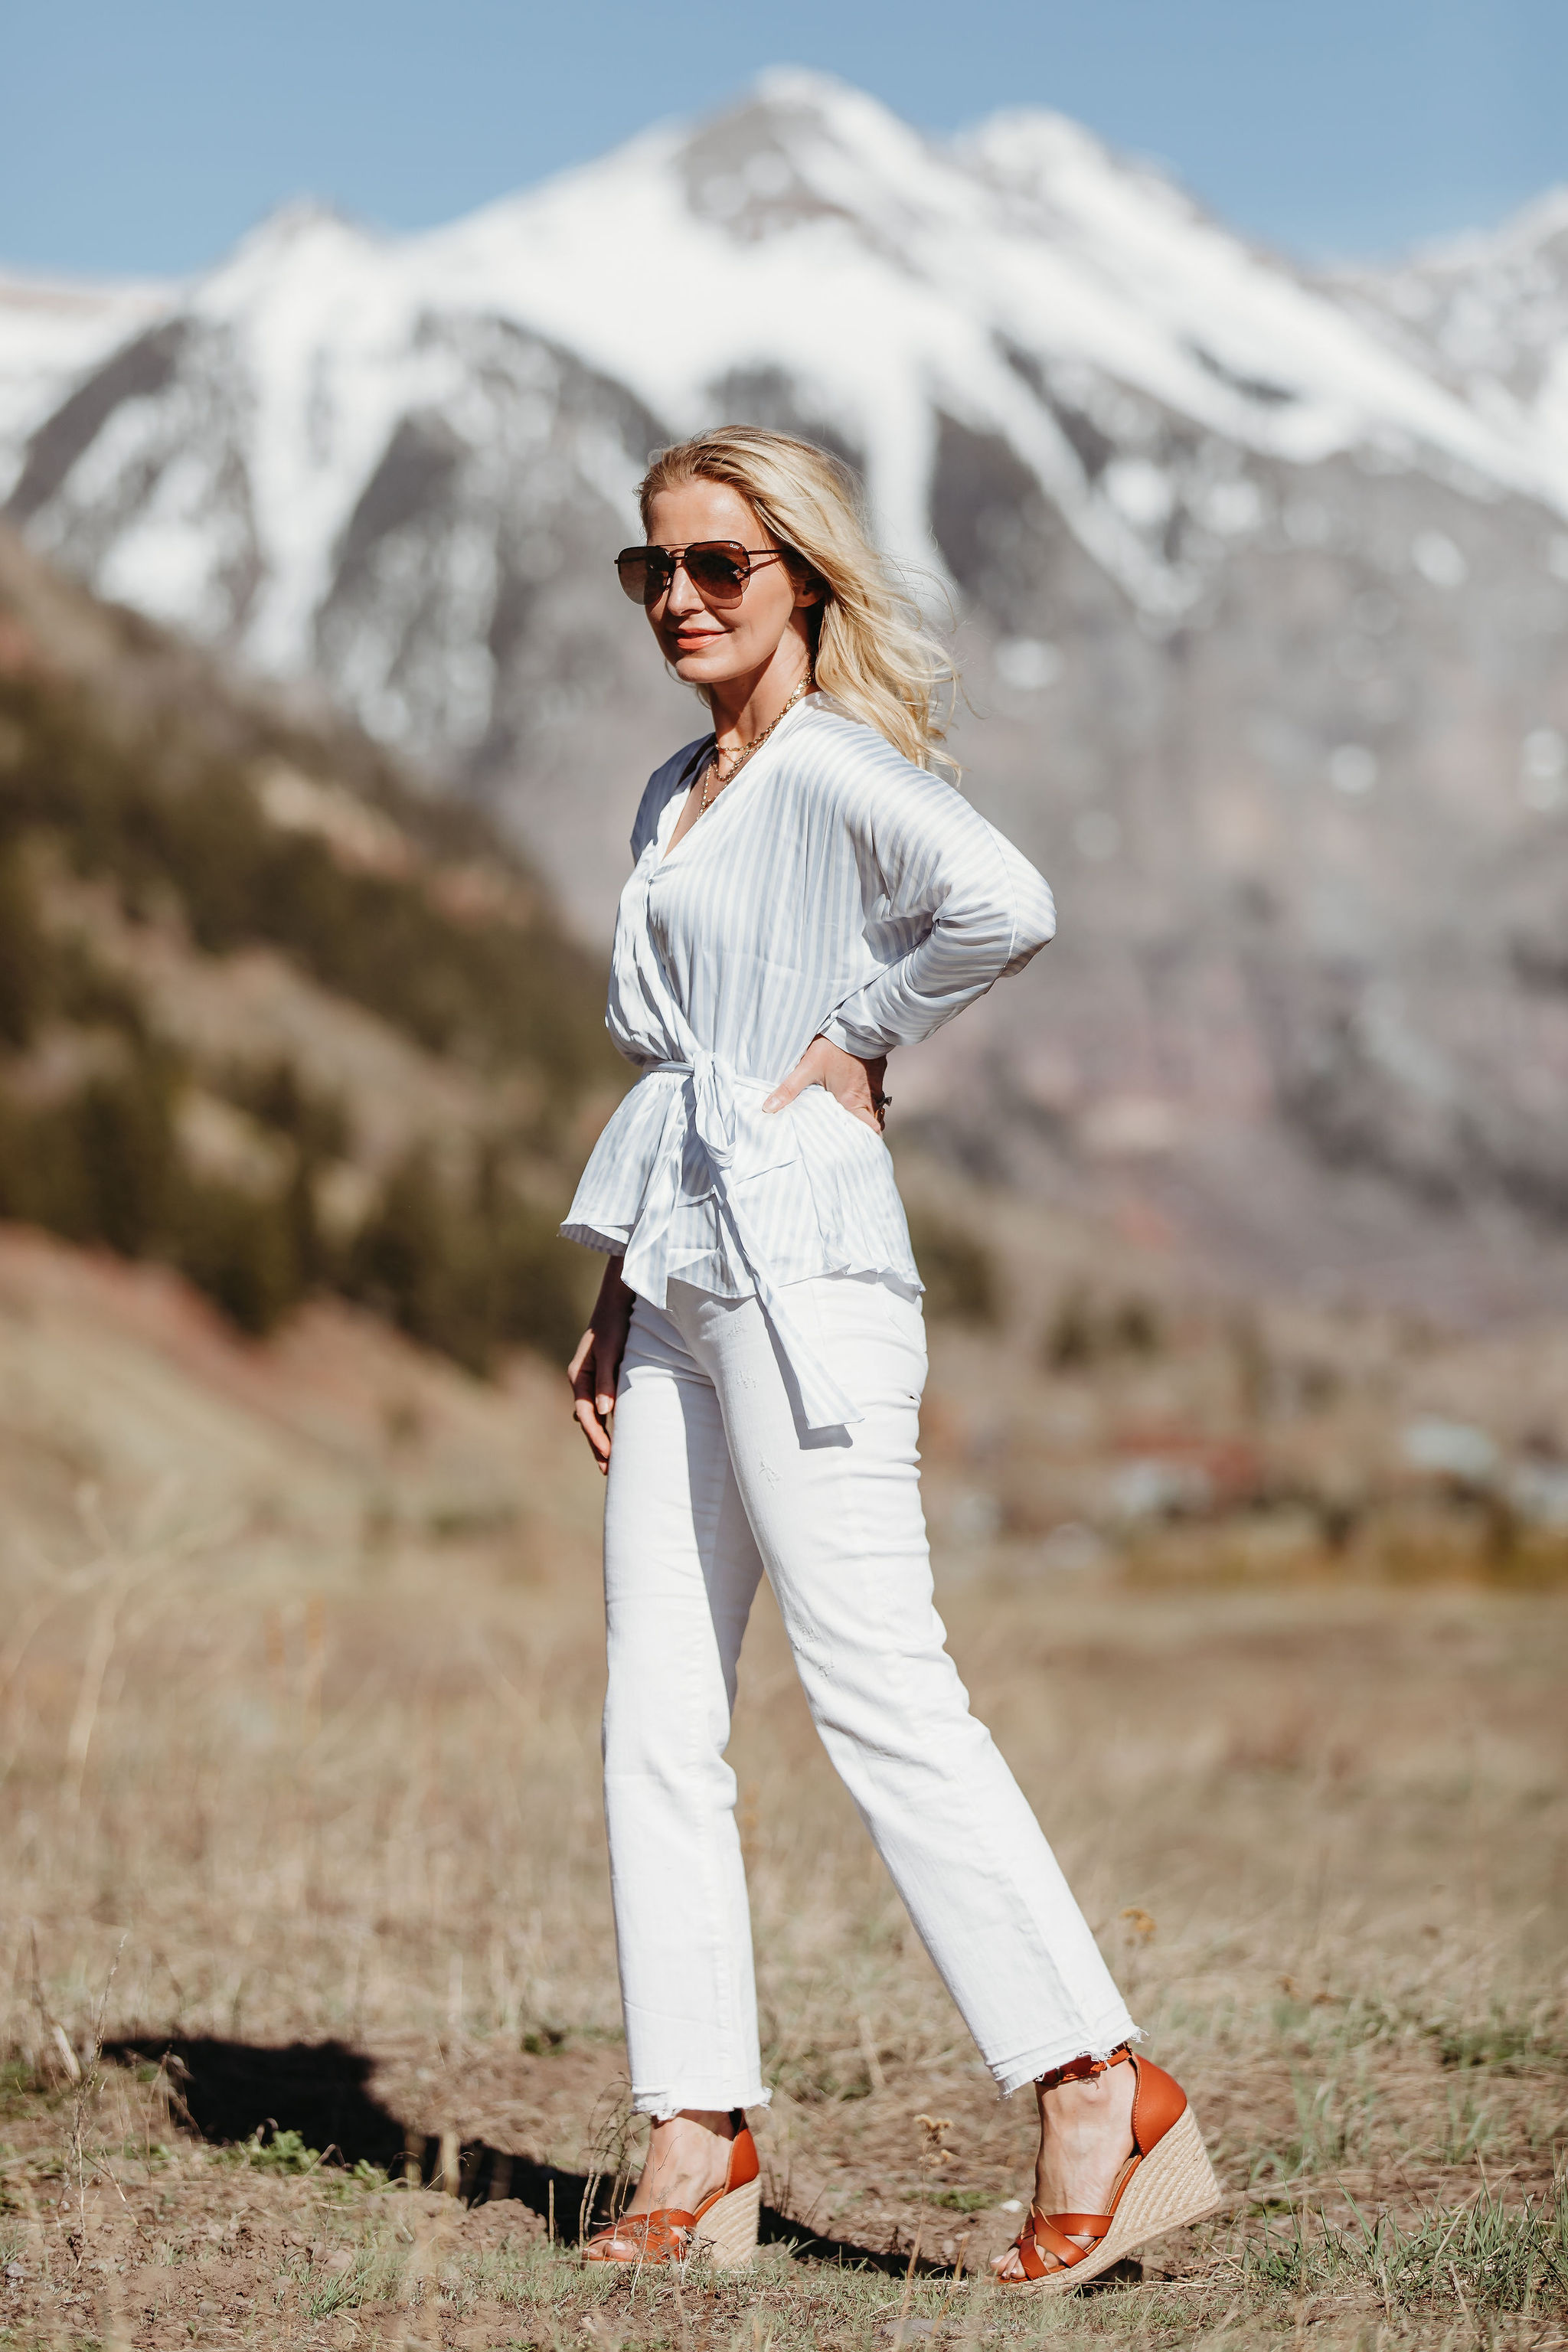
850,1081
595,1363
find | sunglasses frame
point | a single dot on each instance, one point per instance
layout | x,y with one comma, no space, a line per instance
745,559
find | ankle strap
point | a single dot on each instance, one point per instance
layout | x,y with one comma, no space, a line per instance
1079,2070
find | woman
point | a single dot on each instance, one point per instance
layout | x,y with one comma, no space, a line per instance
806,895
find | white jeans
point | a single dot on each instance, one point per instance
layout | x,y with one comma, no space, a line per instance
713,1480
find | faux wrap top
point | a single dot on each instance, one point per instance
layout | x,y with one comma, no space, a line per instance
832,889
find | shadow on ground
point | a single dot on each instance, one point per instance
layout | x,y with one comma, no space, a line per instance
226,2092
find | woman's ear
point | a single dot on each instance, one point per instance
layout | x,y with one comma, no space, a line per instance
808,590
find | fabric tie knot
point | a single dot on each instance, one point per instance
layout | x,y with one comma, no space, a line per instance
710,1084
713,1106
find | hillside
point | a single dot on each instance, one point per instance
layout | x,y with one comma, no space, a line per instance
265,1013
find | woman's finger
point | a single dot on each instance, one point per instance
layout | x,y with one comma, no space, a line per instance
850,1084
589,1410
805,1074
593,1430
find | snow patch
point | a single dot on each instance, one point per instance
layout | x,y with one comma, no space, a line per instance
1438,560
1544,771
1028,664
1353,770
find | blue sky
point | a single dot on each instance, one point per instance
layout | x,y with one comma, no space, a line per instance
146,138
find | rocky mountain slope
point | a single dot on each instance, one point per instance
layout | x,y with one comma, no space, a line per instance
1262,587
1490,315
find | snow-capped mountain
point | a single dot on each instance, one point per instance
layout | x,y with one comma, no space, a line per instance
806,248
1490,314
1264,583
52,335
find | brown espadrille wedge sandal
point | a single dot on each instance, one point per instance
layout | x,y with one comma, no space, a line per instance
722,2230
1166,2182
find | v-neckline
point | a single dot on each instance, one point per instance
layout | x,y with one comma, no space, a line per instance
750,769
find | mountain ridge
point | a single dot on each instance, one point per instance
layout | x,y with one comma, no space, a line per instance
1261,577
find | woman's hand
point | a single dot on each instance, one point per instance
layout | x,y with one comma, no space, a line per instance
596,1362
848,1080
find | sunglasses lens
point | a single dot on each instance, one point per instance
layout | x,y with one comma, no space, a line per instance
645,573
717,572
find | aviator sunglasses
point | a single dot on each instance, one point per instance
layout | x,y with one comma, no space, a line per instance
718,569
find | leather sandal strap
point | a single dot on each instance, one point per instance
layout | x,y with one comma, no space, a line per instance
661,2232
1080,2070
1052,2241
1080,2225
744,2166
1024,2246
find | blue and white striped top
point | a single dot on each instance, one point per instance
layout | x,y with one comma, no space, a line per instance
833,890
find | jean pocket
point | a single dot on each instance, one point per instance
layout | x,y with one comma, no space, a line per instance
863,1125
902,1315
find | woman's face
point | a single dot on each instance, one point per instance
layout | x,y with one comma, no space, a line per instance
709,644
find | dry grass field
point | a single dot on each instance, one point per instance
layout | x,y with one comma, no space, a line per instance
309,2021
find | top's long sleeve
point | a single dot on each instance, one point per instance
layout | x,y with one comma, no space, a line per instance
977,908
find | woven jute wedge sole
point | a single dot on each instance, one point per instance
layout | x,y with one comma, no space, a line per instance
1174,2184
726,2235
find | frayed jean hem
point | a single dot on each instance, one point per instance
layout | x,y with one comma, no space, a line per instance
1012,2074
662,2105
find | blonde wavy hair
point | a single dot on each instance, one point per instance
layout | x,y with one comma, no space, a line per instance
871,649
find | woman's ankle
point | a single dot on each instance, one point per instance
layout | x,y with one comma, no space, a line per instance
1089,2094
688,2158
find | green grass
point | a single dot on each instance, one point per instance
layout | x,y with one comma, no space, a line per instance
1485,2263
286,2153
1488,2256
374,2276
1511,2044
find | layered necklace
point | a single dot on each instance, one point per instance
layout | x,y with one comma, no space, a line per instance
742,751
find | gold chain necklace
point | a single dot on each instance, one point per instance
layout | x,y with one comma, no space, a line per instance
746,749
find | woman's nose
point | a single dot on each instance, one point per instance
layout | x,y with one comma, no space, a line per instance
681,596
